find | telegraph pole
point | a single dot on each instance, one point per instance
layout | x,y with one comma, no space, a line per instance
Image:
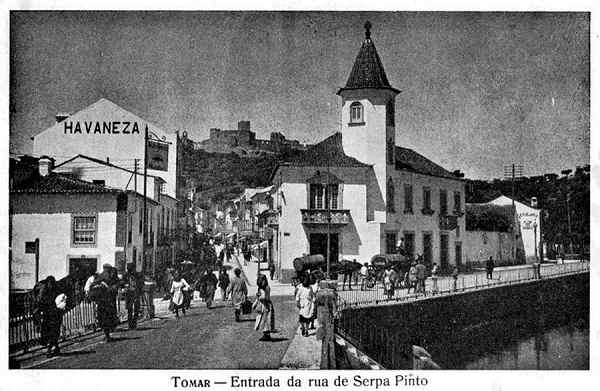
327,196
512,171
135,172
145,215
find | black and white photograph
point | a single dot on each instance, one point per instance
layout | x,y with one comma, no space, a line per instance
301,190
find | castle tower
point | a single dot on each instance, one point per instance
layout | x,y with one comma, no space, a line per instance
368,102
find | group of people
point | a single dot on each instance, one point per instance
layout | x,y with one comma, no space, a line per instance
237,292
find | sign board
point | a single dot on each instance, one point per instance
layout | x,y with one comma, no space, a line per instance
30,247
158,155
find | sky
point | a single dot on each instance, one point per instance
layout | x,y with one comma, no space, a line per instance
479,90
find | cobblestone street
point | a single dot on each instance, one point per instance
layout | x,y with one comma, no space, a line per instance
200,340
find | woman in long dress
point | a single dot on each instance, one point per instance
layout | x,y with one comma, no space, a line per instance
51,316
265,321
178,286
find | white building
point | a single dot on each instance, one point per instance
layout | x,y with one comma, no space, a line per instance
106,132
79,225
377,191
529,226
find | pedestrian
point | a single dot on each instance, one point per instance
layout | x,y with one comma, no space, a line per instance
247,256
454,277
364,274
434,278
104,291
316,281
388,282
412,278
421,276
238,292
48,315
209,280
265,321
178,287
305,301
271,270
228,252
223,283
489,267
133,283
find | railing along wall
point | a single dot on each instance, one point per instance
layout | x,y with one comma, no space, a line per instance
465,282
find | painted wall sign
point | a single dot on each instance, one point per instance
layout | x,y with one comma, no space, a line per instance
104,127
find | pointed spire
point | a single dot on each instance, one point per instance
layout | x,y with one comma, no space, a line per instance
367,71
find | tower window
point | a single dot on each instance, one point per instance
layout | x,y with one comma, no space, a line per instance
356,113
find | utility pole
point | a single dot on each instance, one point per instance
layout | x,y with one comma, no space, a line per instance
135,171
513,171
569,226
327,196
145,215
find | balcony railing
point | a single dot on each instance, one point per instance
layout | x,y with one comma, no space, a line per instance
448,222
319,216
269,218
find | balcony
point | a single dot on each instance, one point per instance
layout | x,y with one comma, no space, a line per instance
269,218
448,222
319,216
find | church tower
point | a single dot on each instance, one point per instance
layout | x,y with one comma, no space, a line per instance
368,109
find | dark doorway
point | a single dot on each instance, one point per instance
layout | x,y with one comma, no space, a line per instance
444,251
427,255
318,245
82,268
458,253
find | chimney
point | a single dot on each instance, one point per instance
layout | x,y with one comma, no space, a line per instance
62,116
45,164
244,126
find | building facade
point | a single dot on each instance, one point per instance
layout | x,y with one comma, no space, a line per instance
374,191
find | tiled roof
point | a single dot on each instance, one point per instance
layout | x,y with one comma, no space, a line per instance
368,71
407,159
328,152
57,183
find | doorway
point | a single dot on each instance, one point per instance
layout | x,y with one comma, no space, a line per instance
427,254
444,251
318,245
82,268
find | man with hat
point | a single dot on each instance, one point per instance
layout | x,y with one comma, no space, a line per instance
133,283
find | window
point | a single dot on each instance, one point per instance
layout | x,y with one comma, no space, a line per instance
427,201
129,229
318,196
409,244
443,203
427,251
390,196
457,203
356,113
408,198
390,242
141,218
84,230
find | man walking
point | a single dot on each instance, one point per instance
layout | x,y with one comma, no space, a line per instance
489,267
238,291
223,283
421,271
133,283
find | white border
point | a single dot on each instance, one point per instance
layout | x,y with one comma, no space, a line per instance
160,379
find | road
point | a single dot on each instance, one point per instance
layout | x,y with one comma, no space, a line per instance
203,339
